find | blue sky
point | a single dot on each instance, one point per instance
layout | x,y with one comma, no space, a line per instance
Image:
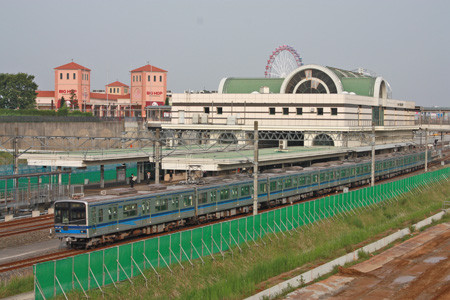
200,42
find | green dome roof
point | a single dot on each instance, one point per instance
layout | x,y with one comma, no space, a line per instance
354,82
249,85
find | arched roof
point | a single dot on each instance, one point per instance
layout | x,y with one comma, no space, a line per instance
233,85
309,79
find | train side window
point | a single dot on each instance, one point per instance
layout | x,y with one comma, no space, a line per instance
308,179
224,194
130,210
100,215
202,198
294,181
315,178
234,193
187,199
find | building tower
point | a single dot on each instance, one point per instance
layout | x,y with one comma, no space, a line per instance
148,86
73,83
117,88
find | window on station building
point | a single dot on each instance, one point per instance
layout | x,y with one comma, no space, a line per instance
320,111
219,110
334,111
110,90
67,76
148,78
87,76
134,78
60,75
206,110
140,78
299,111
160,78
74,76
154,78
271,110
285,110
114,90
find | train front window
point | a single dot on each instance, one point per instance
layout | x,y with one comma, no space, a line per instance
70,213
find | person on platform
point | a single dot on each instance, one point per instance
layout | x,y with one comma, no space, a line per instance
132,180
148,177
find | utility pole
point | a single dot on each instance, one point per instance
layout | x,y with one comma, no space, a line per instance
255,170
16,158
372,177
426,150
157,157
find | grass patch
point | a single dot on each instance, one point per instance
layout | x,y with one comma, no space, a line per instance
16,285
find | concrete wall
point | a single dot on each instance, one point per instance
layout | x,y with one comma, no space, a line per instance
48,129
82,129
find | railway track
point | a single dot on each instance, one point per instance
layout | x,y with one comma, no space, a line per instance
28,262
21,226
28,220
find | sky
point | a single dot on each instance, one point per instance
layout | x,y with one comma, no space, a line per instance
200,42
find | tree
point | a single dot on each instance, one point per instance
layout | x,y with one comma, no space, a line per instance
17,91
63,109
73,100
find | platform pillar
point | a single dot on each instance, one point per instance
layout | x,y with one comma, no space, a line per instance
102,176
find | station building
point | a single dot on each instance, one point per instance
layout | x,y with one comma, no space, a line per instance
329,106
73,84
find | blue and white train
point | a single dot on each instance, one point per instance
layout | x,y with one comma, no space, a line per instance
97,220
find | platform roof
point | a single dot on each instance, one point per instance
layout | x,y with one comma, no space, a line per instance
182,159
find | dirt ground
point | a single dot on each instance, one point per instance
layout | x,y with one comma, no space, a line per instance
418,268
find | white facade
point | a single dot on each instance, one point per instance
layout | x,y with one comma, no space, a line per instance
281,110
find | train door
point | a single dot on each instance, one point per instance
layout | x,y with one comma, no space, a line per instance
93,219
196,202
146,211
213,197
112,215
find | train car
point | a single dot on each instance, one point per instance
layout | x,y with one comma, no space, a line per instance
99,219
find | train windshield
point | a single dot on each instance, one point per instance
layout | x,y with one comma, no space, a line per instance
70,213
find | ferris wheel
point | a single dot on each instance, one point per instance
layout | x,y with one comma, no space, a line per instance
282,61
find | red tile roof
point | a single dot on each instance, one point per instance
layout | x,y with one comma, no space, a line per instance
72,66
148,68
45,93
102,96
117,83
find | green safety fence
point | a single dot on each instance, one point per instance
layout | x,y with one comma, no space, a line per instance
75,178
108,266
